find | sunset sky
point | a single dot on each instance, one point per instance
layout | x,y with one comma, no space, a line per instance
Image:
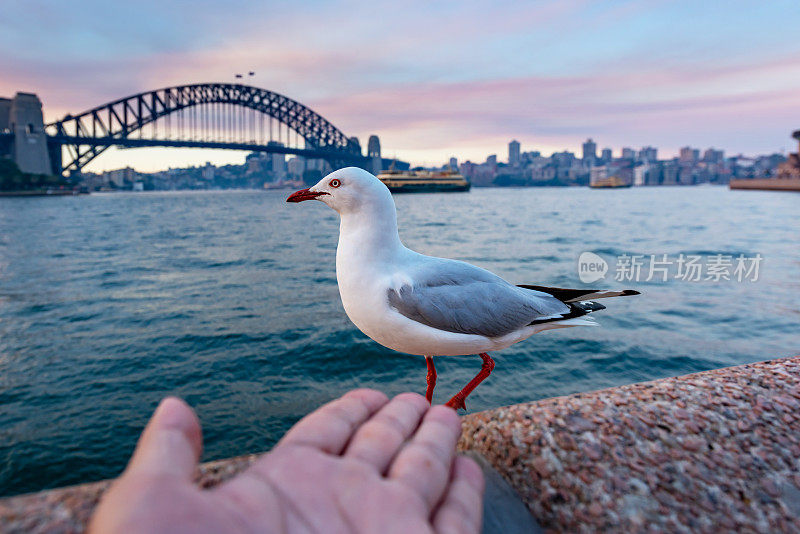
434,79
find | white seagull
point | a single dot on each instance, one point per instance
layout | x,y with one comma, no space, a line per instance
430,306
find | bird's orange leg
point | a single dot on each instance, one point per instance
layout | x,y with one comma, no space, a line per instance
430,378
486,369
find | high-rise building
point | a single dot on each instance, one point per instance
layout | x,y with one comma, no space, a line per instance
713,156
648,154
689,155
513,153
492,160
628,153
589,151
606,155
454,164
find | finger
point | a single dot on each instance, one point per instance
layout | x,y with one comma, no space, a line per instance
462,505
330,427
171,443
379,439
424,463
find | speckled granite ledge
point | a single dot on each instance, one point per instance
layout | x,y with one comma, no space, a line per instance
708,452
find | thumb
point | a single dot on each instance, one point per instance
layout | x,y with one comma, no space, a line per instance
171,443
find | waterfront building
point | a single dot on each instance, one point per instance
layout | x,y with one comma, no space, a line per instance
467,169
296,167
484,175
255,163
670,172
686,175
543,173
209,171
655,173
119,178
639,174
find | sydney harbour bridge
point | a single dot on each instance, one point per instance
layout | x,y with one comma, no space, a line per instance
208,115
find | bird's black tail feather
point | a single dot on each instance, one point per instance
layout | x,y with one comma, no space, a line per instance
578,300
579,295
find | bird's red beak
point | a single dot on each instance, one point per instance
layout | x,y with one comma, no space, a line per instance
304,194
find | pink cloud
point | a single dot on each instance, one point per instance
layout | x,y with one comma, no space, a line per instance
741,106
668,108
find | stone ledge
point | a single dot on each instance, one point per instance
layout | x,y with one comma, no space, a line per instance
712,451
718,450
67,510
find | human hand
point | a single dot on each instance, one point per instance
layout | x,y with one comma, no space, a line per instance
360,463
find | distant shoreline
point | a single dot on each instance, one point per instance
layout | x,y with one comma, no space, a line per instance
51,193
41,193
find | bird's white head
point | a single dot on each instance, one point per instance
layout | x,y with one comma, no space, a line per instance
348,190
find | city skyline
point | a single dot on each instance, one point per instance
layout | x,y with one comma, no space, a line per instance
446,80
593,167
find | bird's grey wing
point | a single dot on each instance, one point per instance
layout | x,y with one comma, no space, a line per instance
458,297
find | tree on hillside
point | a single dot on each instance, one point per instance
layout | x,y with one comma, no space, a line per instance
13,179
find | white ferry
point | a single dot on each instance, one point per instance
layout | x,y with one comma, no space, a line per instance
423,181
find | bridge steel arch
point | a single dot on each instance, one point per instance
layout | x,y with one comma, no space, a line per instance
88,134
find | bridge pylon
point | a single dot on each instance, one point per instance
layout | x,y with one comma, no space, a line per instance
23,134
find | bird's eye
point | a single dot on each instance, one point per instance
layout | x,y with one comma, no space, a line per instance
334,183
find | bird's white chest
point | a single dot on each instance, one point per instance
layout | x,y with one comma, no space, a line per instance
364,295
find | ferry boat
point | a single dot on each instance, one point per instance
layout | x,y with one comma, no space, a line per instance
423,181
611,182
787,179
766,184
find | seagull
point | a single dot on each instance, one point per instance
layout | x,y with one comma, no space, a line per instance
430,306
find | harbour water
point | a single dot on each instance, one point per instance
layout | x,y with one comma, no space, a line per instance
229,300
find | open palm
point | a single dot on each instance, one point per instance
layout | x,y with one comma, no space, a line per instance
360,463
